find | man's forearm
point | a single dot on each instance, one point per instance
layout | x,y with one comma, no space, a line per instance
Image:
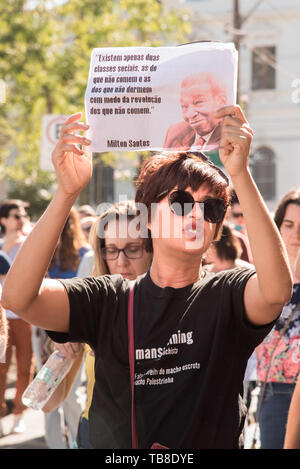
25,276
269,253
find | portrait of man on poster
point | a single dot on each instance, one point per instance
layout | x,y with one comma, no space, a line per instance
201,95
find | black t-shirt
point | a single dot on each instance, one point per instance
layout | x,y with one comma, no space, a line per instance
191,348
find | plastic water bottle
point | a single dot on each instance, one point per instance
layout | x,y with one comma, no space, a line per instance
39,391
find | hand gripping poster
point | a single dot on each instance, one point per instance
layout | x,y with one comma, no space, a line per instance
159,98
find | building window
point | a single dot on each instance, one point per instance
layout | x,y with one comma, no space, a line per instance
263,68
263,168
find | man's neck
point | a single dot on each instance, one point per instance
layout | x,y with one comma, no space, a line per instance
177,274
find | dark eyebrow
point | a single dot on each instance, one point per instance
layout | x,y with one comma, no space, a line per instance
287,220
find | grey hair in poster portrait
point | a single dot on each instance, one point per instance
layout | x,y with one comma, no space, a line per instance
201,94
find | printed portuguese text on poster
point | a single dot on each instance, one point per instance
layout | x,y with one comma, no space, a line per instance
159,98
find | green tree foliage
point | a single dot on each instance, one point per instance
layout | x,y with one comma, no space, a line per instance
45,52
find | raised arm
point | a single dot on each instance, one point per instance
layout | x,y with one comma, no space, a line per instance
271,287
44,303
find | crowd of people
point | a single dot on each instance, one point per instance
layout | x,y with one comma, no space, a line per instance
216,310
30,344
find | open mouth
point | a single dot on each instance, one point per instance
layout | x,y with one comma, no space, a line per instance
197,122
193,230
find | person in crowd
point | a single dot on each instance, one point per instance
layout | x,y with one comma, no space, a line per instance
292,435
3,336
201,95
235,219
225,253
236,213
71,248
278,356
114,254
5,264
86,224
13,220
193,331
86,211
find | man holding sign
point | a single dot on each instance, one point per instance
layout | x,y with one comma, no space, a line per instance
193,331
201,95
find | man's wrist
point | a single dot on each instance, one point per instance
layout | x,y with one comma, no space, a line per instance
64,197
242,177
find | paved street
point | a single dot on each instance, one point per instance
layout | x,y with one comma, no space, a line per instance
33,437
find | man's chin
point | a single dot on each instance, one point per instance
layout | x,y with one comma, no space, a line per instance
192,244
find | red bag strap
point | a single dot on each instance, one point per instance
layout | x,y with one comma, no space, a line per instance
131,362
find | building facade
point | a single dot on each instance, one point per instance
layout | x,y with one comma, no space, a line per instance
269,81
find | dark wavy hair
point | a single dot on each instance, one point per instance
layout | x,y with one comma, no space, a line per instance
8,205
72,239
291,197
228,246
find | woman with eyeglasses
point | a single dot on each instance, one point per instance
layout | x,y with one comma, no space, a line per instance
115,252
193,332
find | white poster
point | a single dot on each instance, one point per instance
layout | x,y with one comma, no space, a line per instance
159,98
51,125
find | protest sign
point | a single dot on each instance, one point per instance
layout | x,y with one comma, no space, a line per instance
155,98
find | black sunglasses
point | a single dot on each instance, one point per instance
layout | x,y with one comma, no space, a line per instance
182,203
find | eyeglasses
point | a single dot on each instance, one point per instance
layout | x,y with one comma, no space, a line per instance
87,229
132,251
237,214
182,202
